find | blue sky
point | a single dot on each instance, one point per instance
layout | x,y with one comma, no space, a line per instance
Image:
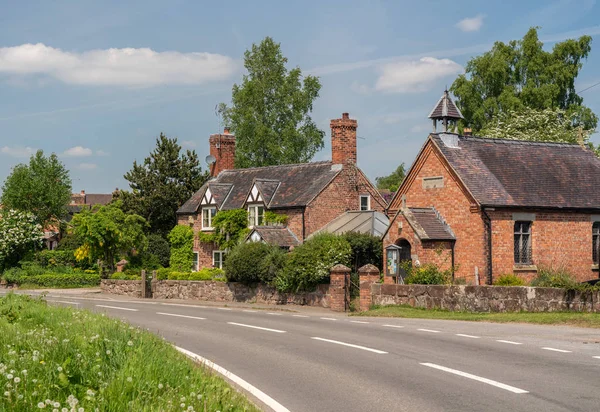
97,81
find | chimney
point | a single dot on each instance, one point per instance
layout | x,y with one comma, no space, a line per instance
467,131
82,192
222,147
343,140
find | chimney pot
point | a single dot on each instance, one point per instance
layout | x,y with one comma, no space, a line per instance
467,131
226,130
83,192
345,116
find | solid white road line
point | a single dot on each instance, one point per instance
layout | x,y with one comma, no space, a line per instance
358,321
250,311
256,327
328,318
224,308
274,314
467,336
557,350
64,301
116,307
596,357
508,341
380,352
184,305
301,316
257,393
393,326
429,330
180,316
475,377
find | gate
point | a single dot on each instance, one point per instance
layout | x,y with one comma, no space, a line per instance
146,285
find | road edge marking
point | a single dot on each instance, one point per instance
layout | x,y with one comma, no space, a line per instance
253,390
117,307
351,345
180,316
256,327
557,350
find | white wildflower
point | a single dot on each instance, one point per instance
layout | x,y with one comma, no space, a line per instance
129,343
7,393
17,379
41,405
9,376
59,369
182,405
160,386
129,379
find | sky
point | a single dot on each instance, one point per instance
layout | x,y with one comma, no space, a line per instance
97,81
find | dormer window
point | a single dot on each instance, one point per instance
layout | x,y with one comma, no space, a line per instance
256,215
208,214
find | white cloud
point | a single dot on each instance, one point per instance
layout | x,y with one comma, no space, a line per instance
18,151
102,153
78,151
128,66
87,166
190,144
415,76
360,88
471,23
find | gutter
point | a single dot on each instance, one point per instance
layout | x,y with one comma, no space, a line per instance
487,221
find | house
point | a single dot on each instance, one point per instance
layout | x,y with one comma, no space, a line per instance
311,195
488,207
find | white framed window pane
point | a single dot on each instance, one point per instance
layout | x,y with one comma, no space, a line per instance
364,203
260,215
196,263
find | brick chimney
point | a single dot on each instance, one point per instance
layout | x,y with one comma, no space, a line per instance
222,147
343,140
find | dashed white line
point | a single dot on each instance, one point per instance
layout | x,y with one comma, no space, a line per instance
596,357
301,316
65,301
274,314
358,321
467,336
429,330
256,327
510,342
250,311
393,326
337,342
557,350
179,316
181,304
263,397
475,377
116,307
224,308
328,318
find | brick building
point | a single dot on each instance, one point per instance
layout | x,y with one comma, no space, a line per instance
310,194
489,207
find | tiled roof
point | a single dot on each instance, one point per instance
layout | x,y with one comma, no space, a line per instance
428,224
282,186
98,199
499,172
276,235
445,107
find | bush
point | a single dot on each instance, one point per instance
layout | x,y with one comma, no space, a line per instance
33,274
428,274
309,264
69,242
162,273
509,280
125,276
159,249
245,263
52,258
57,280
366,249
272,264
182,248
555,278
204,274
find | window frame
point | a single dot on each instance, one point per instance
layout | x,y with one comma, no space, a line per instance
221,253
210,217
368,197
256,219
596,243
518,235
196,262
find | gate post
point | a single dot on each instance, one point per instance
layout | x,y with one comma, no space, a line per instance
368,274
339,279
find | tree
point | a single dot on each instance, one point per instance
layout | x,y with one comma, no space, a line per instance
162,183
270,110
392,181
43,188
519,75
107,231
20,233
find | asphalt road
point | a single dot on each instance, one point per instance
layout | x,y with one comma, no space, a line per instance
309,360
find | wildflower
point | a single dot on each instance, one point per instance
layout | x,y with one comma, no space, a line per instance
24,372
199,396
7,393
59,369
182,399
129,379
9,376
90,392
182,405
20,397
64,410
41,405
160,386
108,352
129,343
56,405
80,410
17,379
34,380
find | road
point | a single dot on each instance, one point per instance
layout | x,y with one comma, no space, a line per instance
310,360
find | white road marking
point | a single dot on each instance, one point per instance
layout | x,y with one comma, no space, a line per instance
596,357
358,321
65,301
274,314
301,316
263,397
429,330
467,336
475,377
328,318
224,308
180,316
116,307
509,342
557,350
184,305
256,327
393,326
250,311
380,352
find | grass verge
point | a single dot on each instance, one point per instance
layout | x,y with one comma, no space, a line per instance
588,320
61,359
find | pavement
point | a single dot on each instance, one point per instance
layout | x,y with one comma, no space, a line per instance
311,359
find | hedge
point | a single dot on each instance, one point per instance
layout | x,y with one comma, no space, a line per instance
204,274
52,280
253,262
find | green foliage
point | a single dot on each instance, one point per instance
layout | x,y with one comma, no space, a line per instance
366,249
252,262
509,280
230,228
162,183
43,187
52,258
392,181
182,248
309,264
270,110
20,233
428,274
59,280
69,241
32,274
203,274
159,247
520,74
107,231
131,274
555,278
275,219
163,273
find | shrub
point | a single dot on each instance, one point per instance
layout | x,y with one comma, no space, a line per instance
51,258
554,278
70,242
245,262
57,280
124,276
428,274
159,247
308,264
204,274
162,273
366,249
509,280
272,264
182,248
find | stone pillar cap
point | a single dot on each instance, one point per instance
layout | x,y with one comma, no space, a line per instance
368,268
340,268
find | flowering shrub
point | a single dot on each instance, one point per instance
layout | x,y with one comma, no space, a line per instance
19,233
60,359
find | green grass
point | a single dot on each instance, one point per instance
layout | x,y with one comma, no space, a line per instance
55,358
588,320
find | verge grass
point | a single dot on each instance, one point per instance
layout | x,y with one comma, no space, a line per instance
61,359
588,320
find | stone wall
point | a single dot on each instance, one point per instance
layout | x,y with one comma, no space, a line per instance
486,298
122,287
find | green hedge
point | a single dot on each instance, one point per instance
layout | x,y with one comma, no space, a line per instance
53,280
509,280
204,274
253,262
428,274
51,258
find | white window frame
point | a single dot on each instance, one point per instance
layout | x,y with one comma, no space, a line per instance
254,220
368,197
196,263
222,256
210,217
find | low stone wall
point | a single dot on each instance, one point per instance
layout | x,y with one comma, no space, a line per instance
122,287
486,298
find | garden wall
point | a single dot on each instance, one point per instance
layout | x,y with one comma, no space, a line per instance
486,298
122,287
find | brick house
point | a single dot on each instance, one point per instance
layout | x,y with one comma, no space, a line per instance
489,207
310,194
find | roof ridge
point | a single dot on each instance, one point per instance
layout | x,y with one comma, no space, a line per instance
321,162
508,140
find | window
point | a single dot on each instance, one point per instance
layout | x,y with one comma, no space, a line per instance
218,256
365,202
596,242
208,213
256,215
523,243
196,262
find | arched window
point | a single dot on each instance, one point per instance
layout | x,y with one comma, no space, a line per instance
404,254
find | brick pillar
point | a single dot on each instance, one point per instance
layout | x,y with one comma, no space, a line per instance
339,278
368,274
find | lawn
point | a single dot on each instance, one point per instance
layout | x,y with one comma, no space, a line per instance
61,359
588,320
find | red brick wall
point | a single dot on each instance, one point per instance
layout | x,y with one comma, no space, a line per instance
294,222
343,140
225,153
